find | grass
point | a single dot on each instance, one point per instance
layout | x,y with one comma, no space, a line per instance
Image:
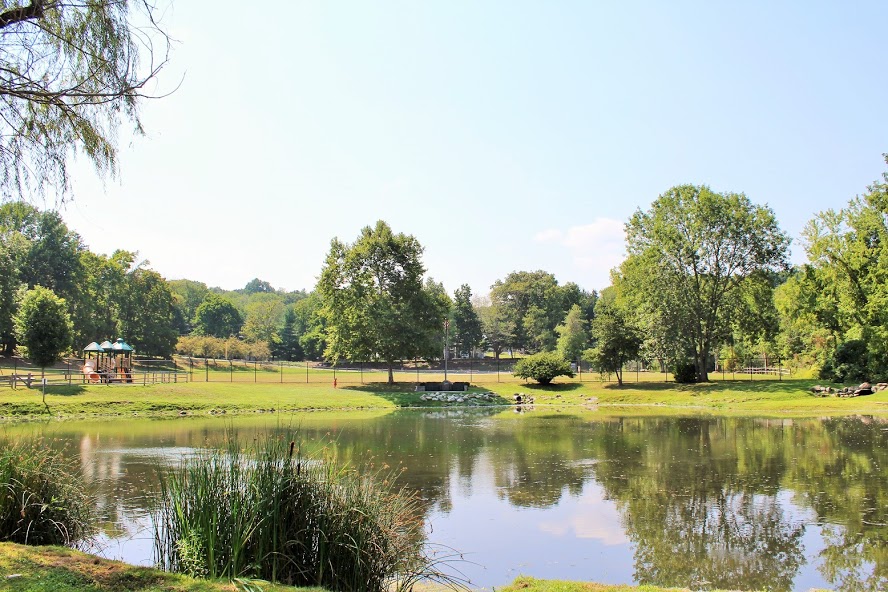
42,499
266,511
48,569
201,398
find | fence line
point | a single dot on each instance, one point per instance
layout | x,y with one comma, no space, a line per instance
474,371
487,371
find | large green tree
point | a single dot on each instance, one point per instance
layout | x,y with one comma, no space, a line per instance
217,317
146,313
374,300
43,326
689,255
844,287
71,71
498,327
573,334
616,340
465,323
534,304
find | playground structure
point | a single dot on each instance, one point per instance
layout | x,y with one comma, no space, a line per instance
108,362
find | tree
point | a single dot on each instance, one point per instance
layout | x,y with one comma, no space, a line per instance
188,296
845,279
70,73
257,286
286,345
616,340
12,249
572,334
263,317
688,256
465,324
374,300
534,304
217,317
146,313
52,259
543,367
43,326
499,330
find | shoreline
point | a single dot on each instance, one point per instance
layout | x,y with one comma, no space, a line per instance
759,398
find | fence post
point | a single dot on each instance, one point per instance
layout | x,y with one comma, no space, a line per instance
69,371
306,371
255,371
207,369
497,368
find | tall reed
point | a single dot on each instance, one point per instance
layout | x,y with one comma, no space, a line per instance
266,511
43,500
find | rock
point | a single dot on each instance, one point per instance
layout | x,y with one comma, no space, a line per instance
864,389
183,413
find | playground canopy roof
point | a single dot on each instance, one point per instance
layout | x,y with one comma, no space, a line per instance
121,345
118,346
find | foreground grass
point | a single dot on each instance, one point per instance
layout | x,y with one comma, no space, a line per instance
46,569
199,398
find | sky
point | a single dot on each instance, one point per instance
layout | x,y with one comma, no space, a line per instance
503,135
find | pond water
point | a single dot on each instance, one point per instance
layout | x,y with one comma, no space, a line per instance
701,502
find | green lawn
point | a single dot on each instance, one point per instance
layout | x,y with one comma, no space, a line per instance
47,569
749,397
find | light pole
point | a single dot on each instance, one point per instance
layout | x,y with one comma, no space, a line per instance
446,337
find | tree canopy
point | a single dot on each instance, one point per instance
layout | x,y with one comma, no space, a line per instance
43,326
688,258
217,317
374,300
71,71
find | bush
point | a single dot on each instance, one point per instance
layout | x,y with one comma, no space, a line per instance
543,367
684,372
848,362
267,512
42,497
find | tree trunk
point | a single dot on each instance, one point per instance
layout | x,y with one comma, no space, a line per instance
391,374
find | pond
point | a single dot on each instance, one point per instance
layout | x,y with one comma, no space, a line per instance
690,501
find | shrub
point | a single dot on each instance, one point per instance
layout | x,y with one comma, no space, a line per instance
684,372
42,498
848,362
268,512
543,367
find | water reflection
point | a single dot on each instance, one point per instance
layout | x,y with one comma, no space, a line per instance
696,502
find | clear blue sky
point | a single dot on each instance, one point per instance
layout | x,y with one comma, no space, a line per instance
505,136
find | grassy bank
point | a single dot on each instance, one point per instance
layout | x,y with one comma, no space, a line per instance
200,398
44,569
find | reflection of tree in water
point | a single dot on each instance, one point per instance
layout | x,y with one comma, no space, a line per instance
700,512
840,472
536,459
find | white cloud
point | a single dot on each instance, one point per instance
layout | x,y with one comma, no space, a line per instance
594,248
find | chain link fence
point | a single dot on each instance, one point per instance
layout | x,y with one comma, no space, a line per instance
475,371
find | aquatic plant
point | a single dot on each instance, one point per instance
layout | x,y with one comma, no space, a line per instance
267,511
42,498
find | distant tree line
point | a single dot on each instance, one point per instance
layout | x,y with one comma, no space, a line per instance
706,281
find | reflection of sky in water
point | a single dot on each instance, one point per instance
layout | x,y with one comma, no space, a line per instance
580,538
